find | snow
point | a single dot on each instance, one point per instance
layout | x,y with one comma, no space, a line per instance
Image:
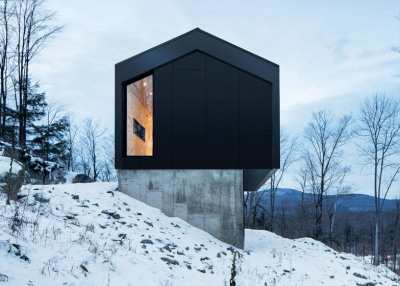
90,234
70,176
5,166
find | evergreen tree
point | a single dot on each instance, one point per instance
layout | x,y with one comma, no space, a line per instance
48,138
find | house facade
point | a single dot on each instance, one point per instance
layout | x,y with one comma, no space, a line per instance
196,124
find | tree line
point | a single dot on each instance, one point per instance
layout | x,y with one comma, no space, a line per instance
322,178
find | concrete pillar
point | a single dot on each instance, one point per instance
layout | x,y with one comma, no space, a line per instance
211,200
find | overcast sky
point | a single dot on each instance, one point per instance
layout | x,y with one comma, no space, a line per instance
332,54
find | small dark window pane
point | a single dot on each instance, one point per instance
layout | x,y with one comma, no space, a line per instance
139,130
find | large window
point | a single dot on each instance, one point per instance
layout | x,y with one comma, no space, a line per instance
139,121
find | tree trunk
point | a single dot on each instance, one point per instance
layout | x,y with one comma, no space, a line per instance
376,246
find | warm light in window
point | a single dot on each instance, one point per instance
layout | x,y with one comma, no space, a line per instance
139,121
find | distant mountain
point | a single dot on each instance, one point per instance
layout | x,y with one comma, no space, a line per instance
346,203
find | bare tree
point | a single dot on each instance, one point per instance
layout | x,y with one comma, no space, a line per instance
395,235
93,136
288,150
83,158
325,136
302,178
108,172
71,133
33,31
338,191
6,12
379,129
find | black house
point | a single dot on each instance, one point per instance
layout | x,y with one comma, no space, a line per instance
196,123
213,105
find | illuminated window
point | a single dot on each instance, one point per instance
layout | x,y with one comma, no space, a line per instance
139,123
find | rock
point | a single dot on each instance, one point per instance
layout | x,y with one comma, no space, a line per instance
3,278
84,268
167,248
122,235
24,257
116,216
169,261
111,213
180,252
16,181
41,198
36,177
82,178
359,275
146,241
148,223
75,197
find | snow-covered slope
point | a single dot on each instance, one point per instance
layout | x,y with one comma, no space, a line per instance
88,234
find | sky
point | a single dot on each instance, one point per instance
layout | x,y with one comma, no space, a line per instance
332,55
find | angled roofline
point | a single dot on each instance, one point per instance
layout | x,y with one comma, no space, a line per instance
202,41
187,33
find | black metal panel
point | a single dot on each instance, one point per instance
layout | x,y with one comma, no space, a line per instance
189,153
189,110
162,143
162,84
193,61
222,82
255,152
255,106
120,144
253,179
223,135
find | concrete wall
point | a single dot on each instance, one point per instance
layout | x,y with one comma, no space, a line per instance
211,200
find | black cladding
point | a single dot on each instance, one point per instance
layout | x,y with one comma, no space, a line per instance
215,106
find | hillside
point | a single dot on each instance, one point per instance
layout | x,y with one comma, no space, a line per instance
89,234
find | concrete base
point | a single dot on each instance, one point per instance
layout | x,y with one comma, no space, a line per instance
211,200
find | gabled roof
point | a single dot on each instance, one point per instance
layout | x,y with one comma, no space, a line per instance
198,40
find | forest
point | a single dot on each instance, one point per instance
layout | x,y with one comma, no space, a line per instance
322,178
31,119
